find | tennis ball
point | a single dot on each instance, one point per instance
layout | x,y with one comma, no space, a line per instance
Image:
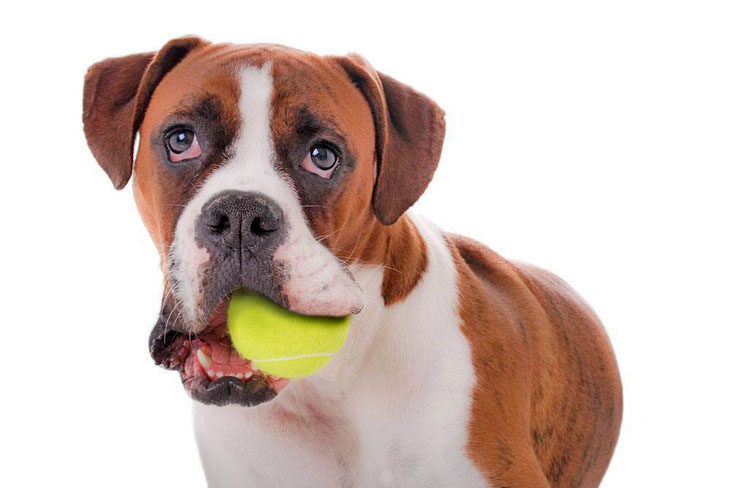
280,342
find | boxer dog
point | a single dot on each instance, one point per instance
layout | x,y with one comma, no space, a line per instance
290,174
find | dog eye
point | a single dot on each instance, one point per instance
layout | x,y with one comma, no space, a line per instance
182,144
321,160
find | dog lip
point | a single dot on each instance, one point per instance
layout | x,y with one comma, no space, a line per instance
229,390
163,343
167,346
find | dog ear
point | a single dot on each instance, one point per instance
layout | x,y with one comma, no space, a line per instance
116,94
409,132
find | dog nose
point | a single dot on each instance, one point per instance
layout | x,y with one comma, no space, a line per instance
241,221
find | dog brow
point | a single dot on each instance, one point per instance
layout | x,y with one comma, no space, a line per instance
208,107
309,125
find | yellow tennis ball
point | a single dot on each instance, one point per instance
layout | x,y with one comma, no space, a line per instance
280,342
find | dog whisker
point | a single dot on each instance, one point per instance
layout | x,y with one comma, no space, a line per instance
326,236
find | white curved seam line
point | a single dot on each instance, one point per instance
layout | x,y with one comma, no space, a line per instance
289,358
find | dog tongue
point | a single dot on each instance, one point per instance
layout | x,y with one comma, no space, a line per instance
221,352
218,347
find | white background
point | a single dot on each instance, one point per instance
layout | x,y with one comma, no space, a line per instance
591,139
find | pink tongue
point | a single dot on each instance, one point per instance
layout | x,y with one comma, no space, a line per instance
224,354
219,348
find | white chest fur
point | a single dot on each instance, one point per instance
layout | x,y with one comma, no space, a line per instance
391,409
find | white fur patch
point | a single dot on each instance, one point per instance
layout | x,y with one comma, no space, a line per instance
317,282
391,408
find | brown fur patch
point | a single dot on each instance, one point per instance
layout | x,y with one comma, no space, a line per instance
314,98
116,94
406,262
160,190
410,130
547,403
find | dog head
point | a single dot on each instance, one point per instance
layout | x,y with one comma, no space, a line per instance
260,167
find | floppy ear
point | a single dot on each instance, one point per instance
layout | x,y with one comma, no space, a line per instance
409,132
116,94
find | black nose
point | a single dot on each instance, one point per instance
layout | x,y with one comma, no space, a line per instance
241,221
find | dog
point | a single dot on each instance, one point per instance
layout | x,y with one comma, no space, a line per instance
291,174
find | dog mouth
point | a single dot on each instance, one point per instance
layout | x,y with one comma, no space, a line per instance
211,369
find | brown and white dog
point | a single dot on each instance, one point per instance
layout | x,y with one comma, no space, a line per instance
289,173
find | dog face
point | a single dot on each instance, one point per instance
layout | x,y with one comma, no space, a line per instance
260,167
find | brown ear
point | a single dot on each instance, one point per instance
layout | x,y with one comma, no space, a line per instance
116,94
409,131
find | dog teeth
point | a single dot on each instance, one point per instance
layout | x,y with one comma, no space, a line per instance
203,358
212,371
